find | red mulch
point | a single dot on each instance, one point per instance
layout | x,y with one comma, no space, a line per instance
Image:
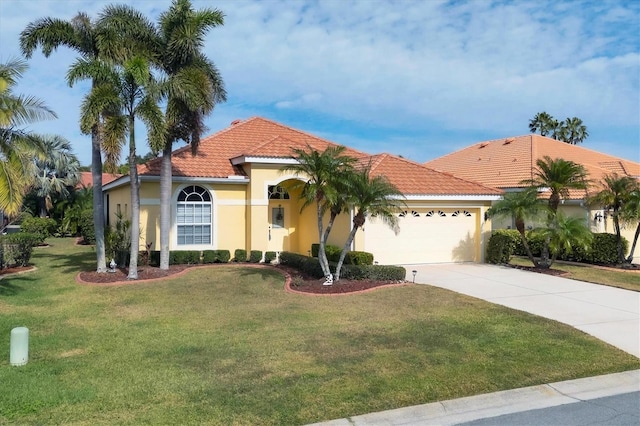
120,274
15,270
548,271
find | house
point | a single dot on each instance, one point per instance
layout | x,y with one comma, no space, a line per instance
505,163
232,195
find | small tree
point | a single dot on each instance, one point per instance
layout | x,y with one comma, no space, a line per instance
370,196
521,206
564,233
630,214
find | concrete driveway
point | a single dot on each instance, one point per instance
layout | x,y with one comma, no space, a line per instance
608,313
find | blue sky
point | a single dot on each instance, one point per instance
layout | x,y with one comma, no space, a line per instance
417,78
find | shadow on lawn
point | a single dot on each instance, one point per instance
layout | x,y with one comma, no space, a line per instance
12,285
69,263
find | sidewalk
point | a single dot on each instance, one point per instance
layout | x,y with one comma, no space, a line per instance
471,408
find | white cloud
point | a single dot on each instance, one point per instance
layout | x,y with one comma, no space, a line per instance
467,69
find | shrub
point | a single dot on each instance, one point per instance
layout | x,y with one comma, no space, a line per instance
255,256
332,252
17,248
41,227
154,258
270,256
216,256
240,255
358,258
117,241
184,257
294,260
500,247
387,272
87,230
604,249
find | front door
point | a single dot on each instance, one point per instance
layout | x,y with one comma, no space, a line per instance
278,227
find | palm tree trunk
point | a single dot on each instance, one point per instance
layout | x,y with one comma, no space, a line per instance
322,255
135,205
98,201
616,226
525,244
345,249
165,205
545,262
633,245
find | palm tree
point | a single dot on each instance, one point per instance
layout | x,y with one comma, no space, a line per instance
321,171
371,196
17,147
574,132
194,87
563,233
81,35
613,196
542,122
57,170
631,214
520,205
558,176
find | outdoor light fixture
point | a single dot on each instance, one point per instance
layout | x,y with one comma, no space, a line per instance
598,217
414,272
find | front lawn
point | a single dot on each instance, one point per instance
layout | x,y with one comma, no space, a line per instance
226,345
627,279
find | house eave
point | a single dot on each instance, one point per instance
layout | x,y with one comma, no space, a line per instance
450,197
230,180
244,159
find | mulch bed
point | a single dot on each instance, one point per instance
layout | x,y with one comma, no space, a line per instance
547,271
299,283
16,270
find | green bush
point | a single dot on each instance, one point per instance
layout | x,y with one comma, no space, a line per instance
17,248
604,249
358,258
154,258
332,252
501,246
294,260
216,256
240,255
387,272
184,257
42,227
270,256
255,256
87,230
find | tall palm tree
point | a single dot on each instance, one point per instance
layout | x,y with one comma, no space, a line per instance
57,170
631,214
371,196
542,122
613,196
575,131
128,93
194,87
520,205
17,146
321,171
558,176
81,35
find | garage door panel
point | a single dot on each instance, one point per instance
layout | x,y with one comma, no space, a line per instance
426,236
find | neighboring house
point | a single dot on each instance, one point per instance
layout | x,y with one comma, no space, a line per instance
505,163
86,179
232,195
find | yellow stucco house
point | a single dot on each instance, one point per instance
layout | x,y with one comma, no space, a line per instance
505,163
232,195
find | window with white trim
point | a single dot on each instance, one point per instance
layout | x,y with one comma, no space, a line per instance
193,216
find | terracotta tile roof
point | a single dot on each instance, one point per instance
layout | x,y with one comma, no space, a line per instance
412,178
504,163
86,180
252,137
259,137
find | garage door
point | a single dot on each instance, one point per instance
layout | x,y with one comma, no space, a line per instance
426,236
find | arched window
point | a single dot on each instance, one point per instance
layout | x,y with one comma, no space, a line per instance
276,192
194,216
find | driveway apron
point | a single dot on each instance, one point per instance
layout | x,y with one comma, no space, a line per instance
608,313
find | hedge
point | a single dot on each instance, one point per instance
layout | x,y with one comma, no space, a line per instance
87,230
311,266
41,227
17,249
216,256
184,257
240,255
501,246
255,256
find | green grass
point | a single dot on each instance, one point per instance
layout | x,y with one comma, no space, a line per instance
226,345
628,280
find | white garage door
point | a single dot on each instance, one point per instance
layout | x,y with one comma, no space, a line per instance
426,236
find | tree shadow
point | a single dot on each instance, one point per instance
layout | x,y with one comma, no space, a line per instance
71,263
